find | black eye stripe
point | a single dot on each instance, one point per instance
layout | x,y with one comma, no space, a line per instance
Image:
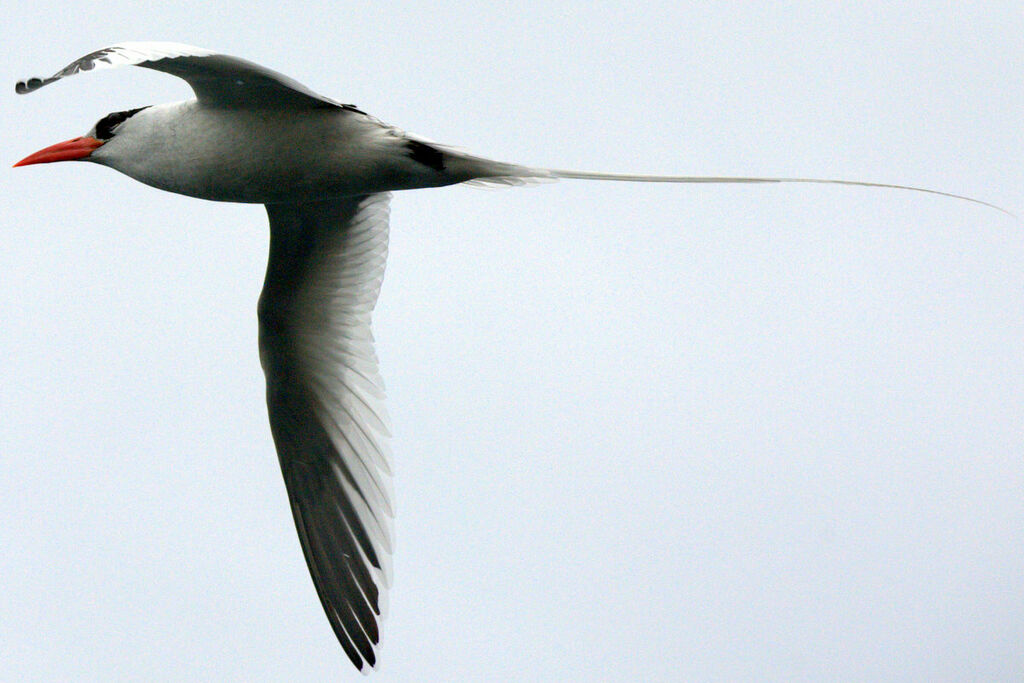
105,126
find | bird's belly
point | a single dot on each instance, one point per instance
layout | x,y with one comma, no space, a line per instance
225,181
239,176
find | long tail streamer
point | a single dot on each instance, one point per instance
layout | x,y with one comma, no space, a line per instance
585,175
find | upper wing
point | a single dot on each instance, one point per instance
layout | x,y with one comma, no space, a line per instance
325,399
216,79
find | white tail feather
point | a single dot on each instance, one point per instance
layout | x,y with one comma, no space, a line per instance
585,175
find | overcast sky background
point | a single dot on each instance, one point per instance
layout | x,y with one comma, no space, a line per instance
642,432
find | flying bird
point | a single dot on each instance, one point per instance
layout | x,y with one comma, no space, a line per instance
325,171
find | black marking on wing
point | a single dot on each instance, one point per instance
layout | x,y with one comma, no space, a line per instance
217,80
425,154
86,63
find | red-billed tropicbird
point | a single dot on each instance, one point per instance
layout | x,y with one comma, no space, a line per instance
324,170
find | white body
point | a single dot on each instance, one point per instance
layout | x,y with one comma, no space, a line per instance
268,156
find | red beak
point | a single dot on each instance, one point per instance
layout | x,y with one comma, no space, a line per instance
78,148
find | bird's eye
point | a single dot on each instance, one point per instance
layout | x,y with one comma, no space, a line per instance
105,126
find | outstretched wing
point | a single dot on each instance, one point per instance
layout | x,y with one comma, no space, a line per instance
216,79
325,398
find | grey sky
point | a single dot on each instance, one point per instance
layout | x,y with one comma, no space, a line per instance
652,433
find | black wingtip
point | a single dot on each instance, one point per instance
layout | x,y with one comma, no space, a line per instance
29,85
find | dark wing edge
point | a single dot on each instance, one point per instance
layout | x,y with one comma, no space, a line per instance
215,78
326,403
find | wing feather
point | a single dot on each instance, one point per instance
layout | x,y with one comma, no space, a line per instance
216,79
326,403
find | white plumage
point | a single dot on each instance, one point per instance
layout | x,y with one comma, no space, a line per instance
325,171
